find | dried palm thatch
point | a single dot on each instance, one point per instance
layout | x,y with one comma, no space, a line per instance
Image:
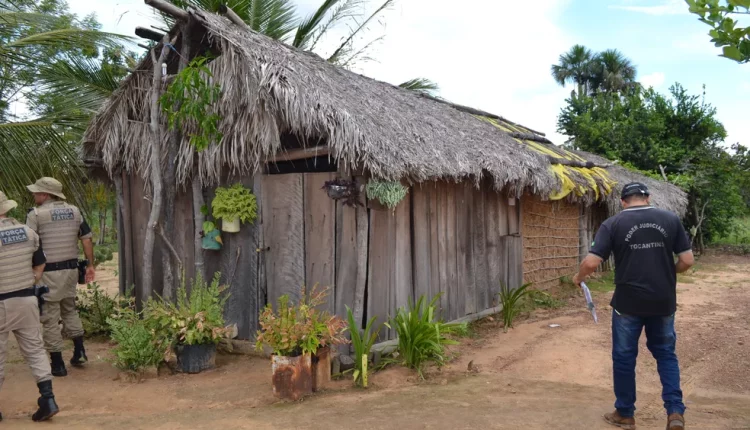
269,88
663,194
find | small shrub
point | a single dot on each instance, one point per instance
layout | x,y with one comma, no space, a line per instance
293,330
102,254
95,308
511,300
422,338
197,319
135,348
543,299
362,343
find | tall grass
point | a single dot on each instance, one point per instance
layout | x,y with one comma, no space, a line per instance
421,336
511,300
362,343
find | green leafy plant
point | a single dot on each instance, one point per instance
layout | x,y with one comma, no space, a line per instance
194,319
208,227
135,348
388,193
102,254
511,299
543,299
421,337
293,330
362,343
190,99
726,33
235,201
95,308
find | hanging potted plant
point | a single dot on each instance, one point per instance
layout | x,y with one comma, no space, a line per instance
211,238
296,334
192,326
234,205
343,189
388,193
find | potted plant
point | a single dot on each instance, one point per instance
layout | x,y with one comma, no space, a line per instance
387,193
343,189
234,205
193,325
296,334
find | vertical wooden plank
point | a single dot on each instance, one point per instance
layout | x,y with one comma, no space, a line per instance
479,245
283,230
261,291
514,247
126,240
185,231
403,287
379,269
514,224
494,249
466,289
420,198
140,211
432,214
346,257
504,213
320,231
443,252
451,260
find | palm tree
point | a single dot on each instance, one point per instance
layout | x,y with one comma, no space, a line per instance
575,67
421,85
34,45
612,72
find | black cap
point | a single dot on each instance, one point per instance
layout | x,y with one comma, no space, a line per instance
634,188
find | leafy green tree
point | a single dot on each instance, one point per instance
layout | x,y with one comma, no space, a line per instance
575,68
727,32
677,136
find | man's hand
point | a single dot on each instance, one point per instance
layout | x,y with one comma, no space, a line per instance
90,274
578,279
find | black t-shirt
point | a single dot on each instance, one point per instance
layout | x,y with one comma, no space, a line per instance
644,240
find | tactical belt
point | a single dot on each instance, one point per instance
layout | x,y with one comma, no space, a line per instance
28,292
63,265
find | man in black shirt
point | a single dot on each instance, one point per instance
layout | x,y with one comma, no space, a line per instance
644,241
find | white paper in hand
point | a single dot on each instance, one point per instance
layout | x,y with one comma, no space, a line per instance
589,301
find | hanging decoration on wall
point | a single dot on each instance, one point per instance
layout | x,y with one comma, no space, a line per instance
234,205
211,237
388,193
343,189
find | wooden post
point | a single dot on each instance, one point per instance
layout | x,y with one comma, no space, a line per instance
120,207
363,227
229,13
198,202
155,173
168,8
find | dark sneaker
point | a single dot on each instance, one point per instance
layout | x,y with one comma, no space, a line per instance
617,420
675,422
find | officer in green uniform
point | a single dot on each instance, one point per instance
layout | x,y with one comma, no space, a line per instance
21,265
60,226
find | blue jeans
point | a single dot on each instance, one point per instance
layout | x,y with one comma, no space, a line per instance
661,340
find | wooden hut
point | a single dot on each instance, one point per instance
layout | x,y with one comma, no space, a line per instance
490,202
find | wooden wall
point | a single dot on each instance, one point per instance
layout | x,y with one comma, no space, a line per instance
444,238
551,240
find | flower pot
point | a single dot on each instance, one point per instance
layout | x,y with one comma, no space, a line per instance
292,376
211,241
337,192
196,358
231,225
321,369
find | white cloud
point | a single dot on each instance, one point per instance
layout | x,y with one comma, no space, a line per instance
667,7
655,80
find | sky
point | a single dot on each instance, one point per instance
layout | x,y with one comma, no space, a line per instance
495,55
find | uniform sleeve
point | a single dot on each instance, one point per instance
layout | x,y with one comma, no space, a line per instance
602,246
31,220
681,240
39,257
84,231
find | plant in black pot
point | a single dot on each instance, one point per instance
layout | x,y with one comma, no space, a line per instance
193,325
232,205
343,189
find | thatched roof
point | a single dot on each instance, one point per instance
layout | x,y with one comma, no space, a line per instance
269,88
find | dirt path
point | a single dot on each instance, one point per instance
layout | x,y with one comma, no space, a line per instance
534,377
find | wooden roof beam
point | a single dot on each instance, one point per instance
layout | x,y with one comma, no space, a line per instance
229,13
300,154
168,8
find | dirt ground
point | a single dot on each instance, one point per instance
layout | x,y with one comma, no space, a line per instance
534,377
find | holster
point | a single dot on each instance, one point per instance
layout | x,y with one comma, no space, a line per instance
39,291
82,265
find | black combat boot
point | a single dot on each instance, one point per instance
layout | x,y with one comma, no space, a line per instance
58,364
79,354
47,406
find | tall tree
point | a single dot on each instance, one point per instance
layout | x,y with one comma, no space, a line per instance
727,31
677,135
612,72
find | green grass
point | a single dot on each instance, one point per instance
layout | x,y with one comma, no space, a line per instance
603,283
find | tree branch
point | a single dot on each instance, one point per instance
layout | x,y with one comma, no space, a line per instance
663,173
